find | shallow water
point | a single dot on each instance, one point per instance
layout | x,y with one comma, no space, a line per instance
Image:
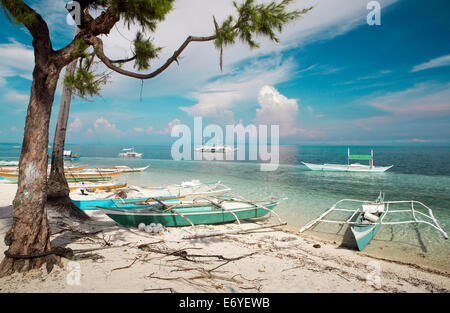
419,173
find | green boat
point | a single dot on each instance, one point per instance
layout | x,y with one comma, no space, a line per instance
213,210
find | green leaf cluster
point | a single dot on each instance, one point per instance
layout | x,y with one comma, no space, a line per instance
144,51
83,82
255,19
19,12
145,12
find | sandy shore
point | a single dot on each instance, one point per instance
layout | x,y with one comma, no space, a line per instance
268,260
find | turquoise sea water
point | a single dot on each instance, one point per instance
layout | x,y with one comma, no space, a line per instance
419,173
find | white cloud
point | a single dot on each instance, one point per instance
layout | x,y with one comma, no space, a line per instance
424,99
277,109
169,127
76,125
328,19
437,62
147,130
217,99
428,101
17,97
101,125
17,60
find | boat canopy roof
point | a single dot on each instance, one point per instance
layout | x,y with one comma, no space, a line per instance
360,157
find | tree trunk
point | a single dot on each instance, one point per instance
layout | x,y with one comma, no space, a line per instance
58,189
30,233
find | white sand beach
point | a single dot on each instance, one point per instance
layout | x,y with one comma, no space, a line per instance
268,260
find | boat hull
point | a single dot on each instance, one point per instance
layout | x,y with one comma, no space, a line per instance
197,215
90,204
364,233
99,186
346,168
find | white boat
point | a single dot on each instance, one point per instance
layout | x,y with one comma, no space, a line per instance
215,149
9,163
350,167
188,188
122,168
130,153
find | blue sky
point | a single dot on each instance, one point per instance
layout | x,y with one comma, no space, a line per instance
333,79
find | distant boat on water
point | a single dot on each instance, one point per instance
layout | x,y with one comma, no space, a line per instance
130,153
354,167
68,155
215,149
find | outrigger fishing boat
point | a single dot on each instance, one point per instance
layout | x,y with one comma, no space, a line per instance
70,176
9,163
366,220
211,210
122,168
350,167
193,187
93,186
146,196
133,203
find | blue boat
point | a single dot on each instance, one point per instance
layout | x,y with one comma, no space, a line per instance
366,220
124,203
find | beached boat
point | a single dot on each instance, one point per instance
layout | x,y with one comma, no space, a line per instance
9,163
93,186
132,203
12,169
130,153
185,189
366,220
122,168
70,176
211,210
366,225
350,167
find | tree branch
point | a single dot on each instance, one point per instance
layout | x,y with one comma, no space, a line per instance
124,60
35,24
97,43
101,25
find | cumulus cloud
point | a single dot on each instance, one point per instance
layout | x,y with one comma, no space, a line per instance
101,125
76,125
169,127
217,99
277,109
